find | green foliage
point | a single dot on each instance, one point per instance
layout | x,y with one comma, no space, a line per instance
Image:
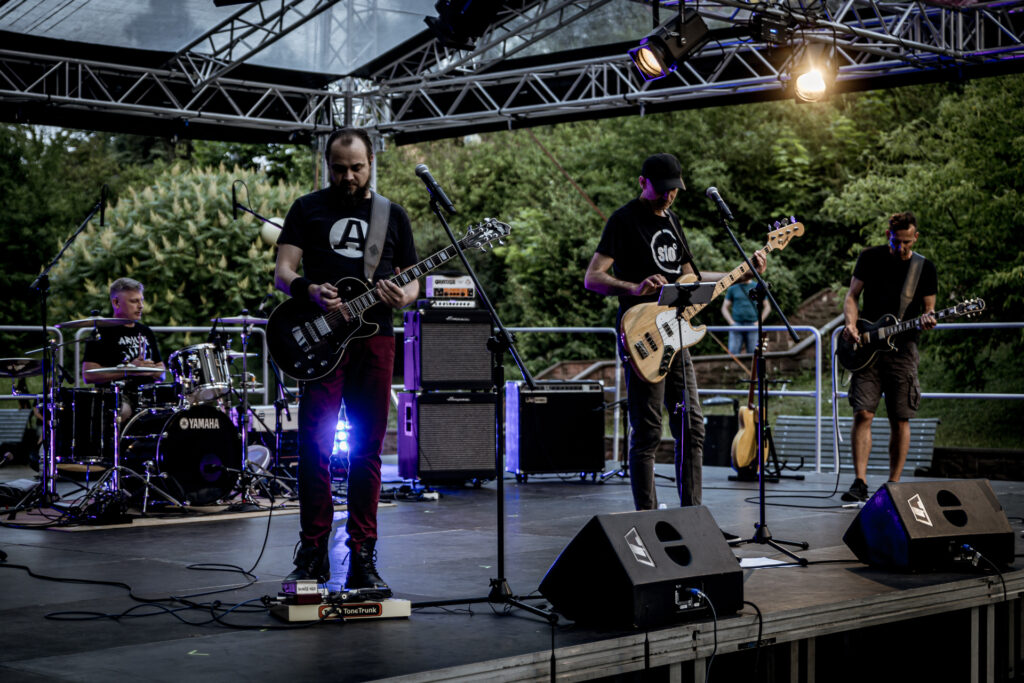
177,237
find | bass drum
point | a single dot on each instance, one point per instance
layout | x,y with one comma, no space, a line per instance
193,452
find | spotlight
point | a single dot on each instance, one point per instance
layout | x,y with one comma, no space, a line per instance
664,48
817,73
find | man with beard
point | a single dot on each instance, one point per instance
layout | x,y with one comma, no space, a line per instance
328,231
644,243
881,274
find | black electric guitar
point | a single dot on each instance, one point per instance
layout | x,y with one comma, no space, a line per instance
876,337
307,343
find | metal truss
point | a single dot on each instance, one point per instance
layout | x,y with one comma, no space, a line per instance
431,91
243,35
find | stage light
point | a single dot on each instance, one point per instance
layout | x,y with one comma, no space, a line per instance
661,51
341,444
817,74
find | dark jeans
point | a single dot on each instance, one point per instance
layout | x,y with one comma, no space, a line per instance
645,401
363,380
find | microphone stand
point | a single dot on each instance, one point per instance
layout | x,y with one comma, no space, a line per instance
48,468
762,534
498,344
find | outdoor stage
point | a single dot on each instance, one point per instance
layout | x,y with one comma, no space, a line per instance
829,621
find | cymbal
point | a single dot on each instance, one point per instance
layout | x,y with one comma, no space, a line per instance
240,320
93,322
125,370
20,367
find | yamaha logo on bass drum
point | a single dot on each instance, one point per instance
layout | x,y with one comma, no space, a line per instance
199,423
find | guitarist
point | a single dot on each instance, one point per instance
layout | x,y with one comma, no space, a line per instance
641,249
326,231
881,274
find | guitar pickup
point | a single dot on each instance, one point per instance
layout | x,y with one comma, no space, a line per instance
668,328
300,338
650,341
321,326
666,359
641,350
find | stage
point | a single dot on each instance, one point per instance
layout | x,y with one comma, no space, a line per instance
833,620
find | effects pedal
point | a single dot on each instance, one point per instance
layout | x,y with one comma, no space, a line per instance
309,601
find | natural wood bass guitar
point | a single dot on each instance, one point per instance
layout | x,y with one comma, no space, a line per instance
308,343
652,335
744,445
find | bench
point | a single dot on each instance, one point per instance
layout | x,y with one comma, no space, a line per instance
794,439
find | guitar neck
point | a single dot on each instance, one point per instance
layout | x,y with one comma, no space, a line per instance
890,330
725,283
369,298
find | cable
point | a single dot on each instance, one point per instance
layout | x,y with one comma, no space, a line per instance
714,650
757,643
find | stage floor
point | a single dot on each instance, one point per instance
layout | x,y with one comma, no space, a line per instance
447,549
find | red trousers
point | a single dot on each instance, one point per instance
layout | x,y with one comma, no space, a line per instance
363,381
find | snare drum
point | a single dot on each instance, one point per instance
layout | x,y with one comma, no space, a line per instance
194,453
159,395
201,371
85,428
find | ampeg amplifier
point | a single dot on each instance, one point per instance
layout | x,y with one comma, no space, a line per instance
556,427
447,349
446,437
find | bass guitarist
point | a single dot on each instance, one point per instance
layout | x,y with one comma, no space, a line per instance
641,249
333,234
881,274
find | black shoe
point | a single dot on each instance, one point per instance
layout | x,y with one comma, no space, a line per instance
362,571
858,492
311,562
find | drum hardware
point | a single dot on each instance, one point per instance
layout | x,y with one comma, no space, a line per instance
201,371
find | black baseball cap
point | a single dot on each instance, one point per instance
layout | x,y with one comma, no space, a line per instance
664,171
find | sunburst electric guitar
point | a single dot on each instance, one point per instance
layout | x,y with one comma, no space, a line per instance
307,343
652,335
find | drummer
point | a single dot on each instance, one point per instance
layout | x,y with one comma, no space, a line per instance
130,344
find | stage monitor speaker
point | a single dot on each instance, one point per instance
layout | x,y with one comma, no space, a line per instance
446,437
447,349
556,427
641,568
917,526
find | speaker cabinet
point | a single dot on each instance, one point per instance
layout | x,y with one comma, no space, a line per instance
446,349
556,427
640,569
919,526
446,437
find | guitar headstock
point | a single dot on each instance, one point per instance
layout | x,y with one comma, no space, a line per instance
783,231
970,308
485,232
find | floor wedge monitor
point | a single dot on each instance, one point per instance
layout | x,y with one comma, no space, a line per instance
645,568
929,525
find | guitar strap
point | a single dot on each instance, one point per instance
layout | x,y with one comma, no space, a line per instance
682,240
380,211
910,284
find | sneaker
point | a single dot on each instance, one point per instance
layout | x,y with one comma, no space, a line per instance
311,562
858,492
362,571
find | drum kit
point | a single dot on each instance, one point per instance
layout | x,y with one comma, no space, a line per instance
158,441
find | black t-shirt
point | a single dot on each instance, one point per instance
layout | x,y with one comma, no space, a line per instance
883,275
332,236
119,345
643,244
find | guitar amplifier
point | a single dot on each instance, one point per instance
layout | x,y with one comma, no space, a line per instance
556,427
447,349
446,437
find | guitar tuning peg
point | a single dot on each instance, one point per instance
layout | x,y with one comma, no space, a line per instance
785,221
776,225
792,219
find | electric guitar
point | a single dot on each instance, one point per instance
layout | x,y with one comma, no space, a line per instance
875,337
307,343
652,335
744,445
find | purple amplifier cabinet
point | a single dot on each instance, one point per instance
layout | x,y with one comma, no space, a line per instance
447,349
446,436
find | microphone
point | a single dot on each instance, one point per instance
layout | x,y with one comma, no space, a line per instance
103,204
264,303
713,195
435,190
234,202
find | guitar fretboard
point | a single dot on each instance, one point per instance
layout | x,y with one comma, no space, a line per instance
890,330
725,283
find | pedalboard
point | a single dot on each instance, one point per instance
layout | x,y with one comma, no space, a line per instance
310,601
